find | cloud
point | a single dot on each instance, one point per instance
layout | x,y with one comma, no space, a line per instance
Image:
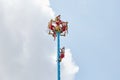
25,47
69,68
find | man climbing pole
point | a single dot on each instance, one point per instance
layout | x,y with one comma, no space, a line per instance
62,54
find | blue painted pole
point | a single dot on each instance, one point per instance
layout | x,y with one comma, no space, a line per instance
58,55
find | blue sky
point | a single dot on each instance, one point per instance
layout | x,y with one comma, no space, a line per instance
94,36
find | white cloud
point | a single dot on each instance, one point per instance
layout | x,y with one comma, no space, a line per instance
69,68
25,47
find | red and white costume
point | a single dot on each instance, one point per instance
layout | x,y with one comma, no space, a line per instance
62,54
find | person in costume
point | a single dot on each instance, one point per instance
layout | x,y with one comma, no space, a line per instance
51,27
64,28
58,20
62,54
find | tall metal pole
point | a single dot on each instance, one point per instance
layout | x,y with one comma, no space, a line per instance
58,55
